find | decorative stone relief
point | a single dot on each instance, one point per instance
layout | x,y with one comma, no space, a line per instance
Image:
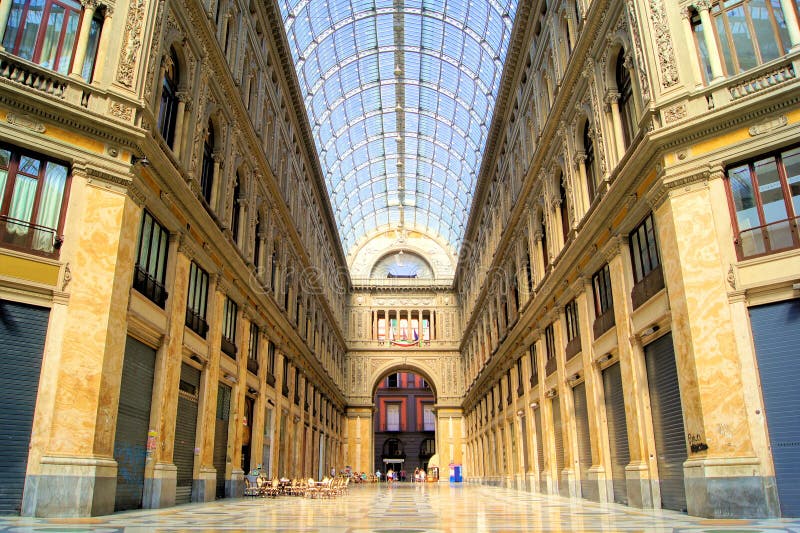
666,53
26,121
120,110
155,53
674,113
644,84
768,125
131,39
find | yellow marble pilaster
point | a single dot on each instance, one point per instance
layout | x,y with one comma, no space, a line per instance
709,370
237,427
87,386
360,439
209,385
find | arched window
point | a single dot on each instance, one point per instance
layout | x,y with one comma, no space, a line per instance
562,196
257,244
236,209
626,111
168,112
588,148
545,255
207,170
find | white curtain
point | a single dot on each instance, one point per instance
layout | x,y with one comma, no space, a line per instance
50,206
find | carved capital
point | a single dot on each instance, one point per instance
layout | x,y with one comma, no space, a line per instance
702,5
90,4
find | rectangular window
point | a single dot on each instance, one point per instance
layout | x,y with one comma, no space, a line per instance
644,249
573,329
765,197
534,367
45,32
550,348
151,260
33,191
603,301
271,357
297,385
285,382
393,380
520,387
197,300
252,349
229,317
428,418
392,417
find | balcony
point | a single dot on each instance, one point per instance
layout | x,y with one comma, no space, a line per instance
603,322
270,379
228,347
29,238
285,390
573,347
149,287
550,366
196,323
648,286
252,366
768,239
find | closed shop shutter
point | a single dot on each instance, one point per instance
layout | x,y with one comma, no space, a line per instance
776,334
133,421
537,420
185,432
559,442
665,406
221,436
584,441
617,431
22,333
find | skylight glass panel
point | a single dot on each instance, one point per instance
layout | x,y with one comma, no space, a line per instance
362,80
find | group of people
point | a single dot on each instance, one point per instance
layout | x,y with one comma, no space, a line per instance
419,475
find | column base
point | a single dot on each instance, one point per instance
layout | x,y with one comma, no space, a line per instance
234,487
71,487
204,487
729,488
598,487
568,484
159,490
532,486
639,485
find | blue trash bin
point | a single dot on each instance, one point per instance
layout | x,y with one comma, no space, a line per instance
457,473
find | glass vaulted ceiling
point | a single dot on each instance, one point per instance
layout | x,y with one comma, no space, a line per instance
399,95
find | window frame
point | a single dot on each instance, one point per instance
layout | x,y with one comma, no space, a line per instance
151,282
196,301
793,217
12,172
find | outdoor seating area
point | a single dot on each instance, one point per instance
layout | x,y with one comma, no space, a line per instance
261,486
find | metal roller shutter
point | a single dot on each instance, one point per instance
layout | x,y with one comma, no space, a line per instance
537,420
558,435
133,421
221,436
617,431
185,432
665,406
776,334
584,441
22,333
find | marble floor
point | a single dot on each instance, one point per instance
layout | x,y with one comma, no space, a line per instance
403,508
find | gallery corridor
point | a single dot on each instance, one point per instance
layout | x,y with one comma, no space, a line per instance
405,508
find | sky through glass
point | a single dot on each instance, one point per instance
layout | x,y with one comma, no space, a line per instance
399,95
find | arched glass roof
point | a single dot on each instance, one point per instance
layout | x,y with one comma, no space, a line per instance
399,94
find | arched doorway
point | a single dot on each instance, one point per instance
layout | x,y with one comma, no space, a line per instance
404,424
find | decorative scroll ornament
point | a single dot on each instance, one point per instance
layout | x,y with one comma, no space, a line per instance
26,121
131,39
666,53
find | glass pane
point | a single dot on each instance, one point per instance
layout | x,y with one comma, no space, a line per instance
769,188
5,157
22,199
33,21
65,57
91,49
12,26
52,34
765,36
743,197
742,40
791,162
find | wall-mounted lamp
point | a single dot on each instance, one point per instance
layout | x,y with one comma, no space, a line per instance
534,405
252,391
573,378
296,419
231,378
137,160
520,413
649,331
551,393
